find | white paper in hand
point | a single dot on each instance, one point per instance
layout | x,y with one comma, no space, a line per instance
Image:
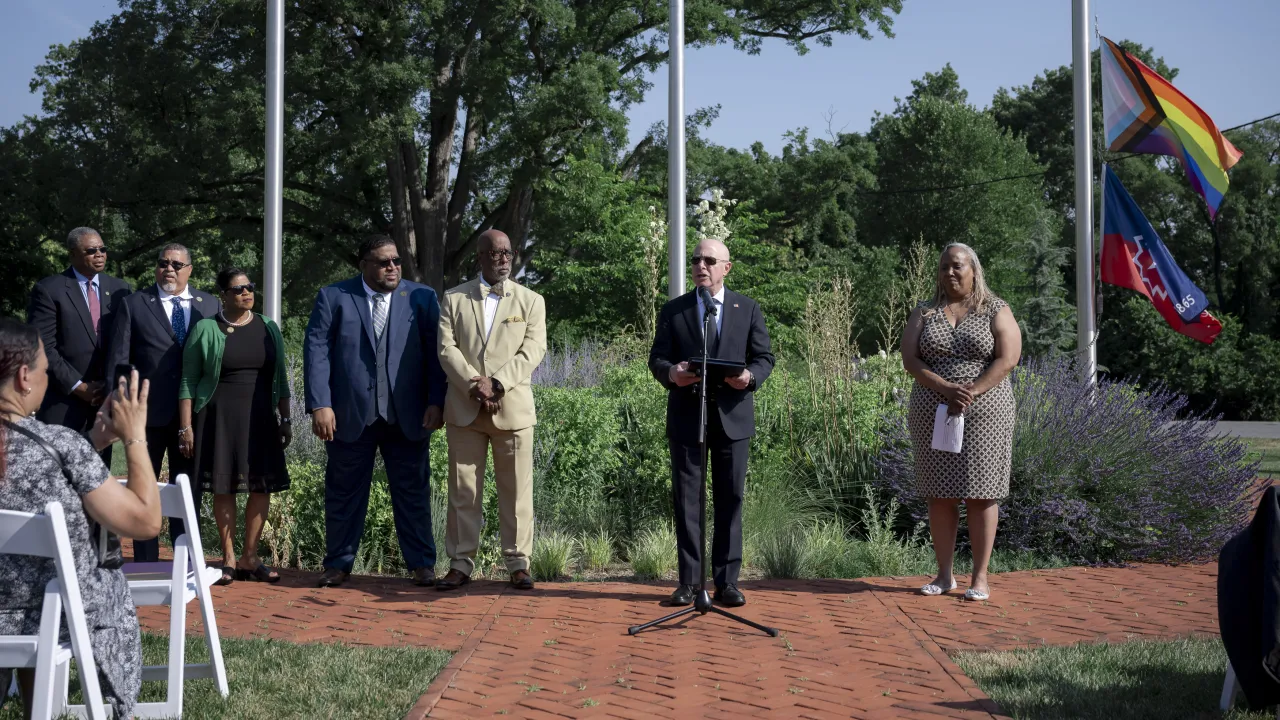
948,431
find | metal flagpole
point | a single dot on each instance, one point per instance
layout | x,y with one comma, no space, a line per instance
271,216
1082,70
675,153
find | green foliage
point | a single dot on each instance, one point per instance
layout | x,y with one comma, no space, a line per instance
1046,320
552,555
595,550
653,554
576,438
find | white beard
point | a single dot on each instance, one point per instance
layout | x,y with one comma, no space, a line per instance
171,288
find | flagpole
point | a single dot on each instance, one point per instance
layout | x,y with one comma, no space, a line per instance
1082,71
675,152
273,200
1102,240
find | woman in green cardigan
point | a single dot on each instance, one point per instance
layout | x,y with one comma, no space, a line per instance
234,382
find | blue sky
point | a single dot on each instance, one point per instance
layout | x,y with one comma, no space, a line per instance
1227,52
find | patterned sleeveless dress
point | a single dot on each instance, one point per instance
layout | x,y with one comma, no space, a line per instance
981,470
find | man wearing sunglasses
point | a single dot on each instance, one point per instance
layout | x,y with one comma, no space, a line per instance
374,384
493,334
149,332
737,333
73,313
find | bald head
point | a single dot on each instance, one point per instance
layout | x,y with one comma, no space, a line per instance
710,264
495,255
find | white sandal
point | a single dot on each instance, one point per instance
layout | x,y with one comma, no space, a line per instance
976,595
932,589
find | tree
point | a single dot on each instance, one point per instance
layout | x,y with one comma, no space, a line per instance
1047,321
431,121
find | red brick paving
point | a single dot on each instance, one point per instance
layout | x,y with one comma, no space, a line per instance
864,649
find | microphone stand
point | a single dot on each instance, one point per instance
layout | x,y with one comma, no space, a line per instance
702,602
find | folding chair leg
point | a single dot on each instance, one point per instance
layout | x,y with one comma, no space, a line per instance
211,638
43,704
1229,689
177,633
61,688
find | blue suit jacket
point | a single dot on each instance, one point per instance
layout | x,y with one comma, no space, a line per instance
339,357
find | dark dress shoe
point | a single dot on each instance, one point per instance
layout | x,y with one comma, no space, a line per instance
730,595
333,577
453,580
521,580
424,576
682,596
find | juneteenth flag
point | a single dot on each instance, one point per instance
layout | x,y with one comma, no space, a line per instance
1133,257
1143,113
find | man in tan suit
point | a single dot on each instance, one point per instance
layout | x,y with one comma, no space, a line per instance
492,335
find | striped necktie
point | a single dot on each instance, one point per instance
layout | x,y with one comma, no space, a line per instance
379,315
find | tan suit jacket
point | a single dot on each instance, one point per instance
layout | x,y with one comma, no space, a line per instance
515,346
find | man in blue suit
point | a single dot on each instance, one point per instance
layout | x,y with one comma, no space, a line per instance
374,383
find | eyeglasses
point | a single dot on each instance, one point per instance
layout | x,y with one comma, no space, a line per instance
94,250
496,255
241,289
177,266
385,264
708,261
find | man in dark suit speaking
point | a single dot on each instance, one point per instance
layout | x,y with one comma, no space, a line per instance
737,334
73,313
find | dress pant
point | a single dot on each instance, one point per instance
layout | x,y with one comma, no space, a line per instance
513,473
161,440
728,471
347,479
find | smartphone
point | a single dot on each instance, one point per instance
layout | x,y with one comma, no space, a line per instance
124,370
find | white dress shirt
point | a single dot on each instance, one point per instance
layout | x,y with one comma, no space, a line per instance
184,299
490,312
370,292
718,301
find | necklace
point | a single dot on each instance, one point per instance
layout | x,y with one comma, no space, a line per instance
231,326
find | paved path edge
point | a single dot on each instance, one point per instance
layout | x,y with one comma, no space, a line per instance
422,709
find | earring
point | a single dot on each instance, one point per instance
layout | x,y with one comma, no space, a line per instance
26,392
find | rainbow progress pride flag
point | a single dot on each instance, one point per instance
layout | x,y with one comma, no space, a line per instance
1143,113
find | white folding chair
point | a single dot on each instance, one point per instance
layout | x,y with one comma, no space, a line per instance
46,536
175,584
1231,688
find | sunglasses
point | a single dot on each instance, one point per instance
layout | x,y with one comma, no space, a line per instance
241,289
385,264
91,251
708,261
177,265
496,255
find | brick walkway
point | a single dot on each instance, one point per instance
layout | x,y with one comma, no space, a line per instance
865,649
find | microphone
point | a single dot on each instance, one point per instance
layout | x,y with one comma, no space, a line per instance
707,304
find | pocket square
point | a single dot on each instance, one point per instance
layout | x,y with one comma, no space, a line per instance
514,319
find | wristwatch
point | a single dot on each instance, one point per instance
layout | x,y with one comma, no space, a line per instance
497,387
286,421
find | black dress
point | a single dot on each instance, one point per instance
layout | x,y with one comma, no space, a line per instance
237,436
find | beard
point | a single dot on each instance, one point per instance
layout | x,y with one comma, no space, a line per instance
169,287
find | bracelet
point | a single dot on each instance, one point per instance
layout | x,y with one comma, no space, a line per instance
135,441
183,431
286,421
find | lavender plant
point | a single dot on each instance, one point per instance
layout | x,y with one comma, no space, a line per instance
1110,473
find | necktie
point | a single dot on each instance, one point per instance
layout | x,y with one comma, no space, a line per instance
179,322
495,289
379,315
95,310
713,340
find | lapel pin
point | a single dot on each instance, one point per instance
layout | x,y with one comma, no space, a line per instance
403,293
199,299
735,304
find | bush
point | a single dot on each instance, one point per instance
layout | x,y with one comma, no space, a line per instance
552,555
1105,474
595,552
653,554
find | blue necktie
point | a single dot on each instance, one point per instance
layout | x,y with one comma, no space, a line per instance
179,321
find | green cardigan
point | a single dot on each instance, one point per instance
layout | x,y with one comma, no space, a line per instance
202,363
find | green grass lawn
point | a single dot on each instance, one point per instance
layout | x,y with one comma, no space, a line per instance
273,680
1133,680
1268,451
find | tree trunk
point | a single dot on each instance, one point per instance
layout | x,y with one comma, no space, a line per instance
400,214
443,123
417,205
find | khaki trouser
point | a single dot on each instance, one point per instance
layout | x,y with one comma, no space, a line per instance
513,472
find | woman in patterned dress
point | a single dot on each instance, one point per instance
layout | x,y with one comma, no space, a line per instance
31,477
960,347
